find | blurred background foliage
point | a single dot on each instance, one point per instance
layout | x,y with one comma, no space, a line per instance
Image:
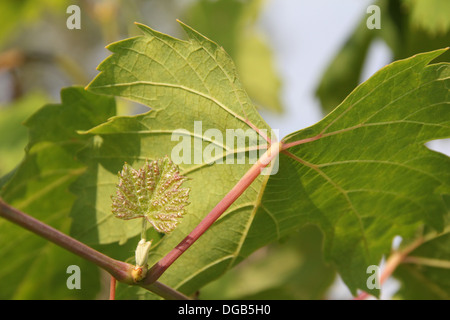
408,27
39,56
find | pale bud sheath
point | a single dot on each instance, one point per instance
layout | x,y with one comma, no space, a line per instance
142,250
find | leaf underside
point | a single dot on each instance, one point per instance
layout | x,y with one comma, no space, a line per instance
183,82
364,177
369,176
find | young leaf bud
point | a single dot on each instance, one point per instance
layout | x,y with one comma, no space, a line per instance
153,192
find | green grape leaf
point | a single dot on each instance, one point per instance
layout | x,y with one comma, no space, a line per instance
35,267
362,174
193,86
365,170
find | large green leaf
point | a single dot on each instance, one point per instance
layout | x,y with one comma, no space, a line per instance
364,177
34,268
366,172
183,82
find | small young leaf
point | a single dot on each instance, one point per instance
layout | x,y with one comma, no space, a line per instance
153,192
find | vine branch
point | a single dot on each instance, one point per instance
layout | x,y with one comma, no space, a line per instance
118,269
122,271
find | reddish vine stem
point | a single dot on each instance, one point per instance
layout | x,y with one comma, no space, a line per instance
302,141
251,125
112,288
118,269
160,267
